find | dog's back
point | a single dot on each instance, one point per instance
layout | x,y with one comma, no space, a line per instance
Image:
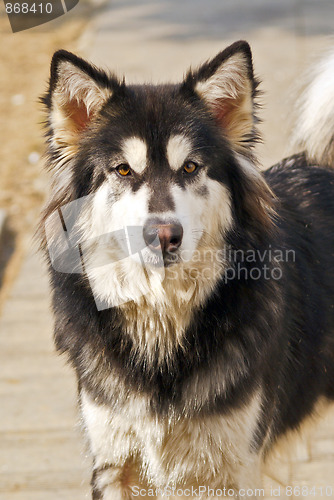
304,186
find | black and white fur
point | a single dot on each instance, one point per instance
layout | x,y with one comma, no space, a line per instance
188,378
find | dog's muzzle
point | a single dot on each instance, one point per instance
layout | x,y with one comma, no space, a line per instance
164,236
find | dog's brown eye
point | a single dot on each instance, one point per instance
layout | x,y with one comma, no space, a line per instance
123,170
190,167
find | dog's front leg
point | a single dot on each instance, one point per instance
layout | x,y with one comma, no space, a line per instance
110,482
113,443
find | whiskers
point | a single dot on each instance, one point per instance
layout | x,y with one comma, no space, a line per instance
202,235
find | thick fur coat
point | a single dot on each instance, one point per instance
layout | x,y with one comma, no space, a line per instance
196,353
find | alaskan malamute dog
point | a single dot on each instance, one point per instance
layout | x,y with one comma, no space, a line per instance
192,294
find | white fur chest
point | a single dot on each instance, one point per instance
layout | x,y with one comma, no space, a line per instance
212,450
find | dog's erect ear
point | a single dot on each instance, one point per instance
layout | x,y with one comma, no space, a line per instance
227,85
77,92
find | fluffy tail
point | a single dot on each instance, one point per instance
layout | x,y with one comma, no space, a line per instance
314,131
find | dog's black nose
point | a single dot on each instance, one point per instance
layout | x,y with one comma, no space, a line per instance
166,236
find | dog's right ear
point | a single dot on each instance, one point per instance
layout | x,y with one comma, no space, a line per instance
77,92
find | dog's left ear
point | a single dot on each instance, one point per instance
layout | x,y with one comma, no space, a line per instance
227,86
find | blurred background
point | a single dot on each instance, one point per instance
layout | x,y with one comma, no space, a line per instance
41,456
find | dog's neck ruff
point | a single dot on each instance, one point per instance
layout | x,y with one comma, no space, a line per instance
157,321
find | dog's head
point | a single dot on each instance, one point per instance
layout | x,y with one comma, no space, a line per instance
165,172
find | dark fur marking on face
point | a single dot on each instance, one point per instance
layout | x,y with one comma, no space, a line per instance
160,199
202,191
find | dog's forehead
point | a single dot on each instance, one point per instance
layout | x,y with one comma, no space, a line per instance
177,148
157,128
